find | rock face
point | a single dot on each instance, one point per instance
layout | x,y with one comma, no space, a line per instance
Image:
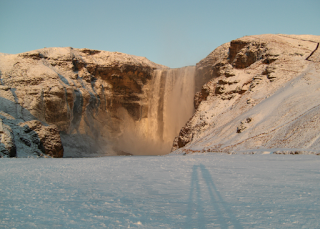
62,102
79,93
49,137
28,139
263,94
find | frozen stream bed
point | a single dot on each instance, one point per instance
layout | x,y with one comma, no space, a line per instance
193,191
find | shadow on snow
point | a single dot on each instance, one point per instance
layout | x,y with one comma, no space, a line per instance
197,215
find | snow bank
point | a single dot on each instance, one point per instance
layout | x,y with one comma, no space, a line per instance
195,191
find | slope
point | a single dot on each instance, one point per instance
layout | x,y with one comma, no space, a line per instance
263,96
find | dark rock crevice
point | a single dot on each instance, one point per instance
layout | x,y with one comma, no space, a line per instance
313,52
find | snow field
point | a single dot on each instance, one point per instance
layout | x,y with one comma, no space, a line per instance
193,191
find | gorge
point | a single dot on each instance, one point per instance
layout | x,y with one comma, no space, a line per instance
169,107
253,94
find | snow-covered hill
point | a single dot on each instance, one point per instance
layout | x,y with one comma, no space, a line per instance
75,92
260,94
263,96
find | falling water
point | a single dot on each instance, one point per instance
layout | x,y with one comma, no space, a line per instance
170,107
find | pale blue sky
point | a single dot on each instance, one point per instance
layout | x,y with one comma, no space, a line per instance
169,32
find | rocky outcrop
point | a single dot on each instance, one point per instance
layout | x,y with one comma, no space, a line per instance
262,94
47,137
80,93
28,139
251,93
7,144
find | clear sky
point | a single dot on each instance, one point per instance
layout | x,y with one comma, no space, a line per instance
169,32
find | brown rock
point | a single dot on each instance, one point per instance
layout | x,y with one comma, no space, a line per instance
7,143
80,91
49,137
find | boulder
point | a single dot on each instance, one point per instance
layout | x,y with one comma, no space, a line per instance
47,137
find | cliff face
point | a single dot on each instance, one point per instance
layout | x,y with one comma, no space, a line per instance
263,94
79,93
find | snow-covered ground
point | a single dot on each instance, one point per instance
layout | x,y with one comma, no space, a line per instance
193,191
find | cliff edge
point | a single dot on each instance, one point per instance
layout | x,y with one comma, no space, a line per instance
67,102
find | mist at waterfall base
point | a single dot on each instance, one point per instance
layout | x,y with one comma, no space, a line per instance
170,106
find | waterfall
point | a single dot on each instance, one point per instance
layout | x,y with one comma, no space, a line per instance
170,106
